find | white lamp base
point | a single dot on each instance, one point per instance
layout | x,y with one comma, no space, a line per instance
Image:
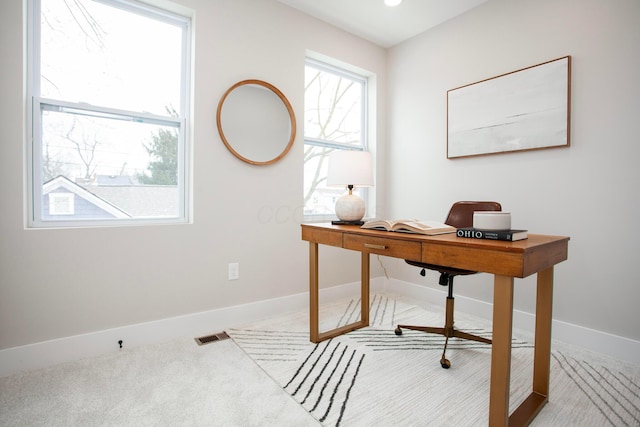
350,208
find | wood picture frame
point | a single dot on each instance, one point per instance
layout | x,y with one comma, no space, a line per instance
527,109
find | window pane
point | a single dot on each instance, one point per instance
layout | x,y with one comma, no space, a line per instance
102,55
333,107
109,93
115,168
334,119
319,199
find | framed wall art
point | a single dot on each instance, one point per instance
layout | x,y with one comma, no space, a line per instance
527,109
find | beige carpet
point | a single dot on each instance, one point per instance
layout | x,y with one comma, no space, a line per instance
371,377
177,383
367,378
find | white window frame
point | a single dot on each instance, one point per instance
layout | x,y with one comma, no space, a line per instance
365,78
36,104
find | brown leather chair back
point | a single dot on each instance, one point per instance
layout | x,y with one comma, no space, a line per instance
461,213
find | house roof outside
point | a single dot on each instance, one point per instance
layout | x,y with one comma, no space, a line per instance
114,180
141,200
113,197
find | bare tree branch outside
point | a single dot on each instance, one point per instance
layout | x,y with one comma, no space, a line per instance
334,109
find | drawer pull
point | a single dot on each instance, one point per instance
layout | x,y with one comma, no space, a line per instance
372,246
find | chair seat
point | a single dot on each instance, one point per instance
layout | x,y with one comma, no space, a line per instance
441,268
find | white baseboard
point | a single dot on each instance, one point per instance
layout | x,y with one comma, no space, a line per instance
606,344
53,352
48,353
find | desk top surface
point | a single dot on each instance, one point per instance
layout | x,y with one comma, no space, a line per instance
450,239
519,259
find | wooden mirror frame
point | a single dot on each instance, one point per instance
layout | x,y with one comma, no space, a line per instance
286,103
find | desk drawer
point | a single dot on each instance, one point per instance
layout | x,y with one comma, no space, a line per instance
382,246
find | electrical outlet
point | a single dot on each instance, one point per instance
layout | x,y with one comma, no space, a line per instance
234,270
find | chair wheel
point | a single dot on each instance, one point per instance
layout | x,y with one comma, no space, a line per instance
398,331
445,363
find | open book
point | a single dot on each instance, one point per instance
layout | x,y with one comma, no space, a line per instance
410,226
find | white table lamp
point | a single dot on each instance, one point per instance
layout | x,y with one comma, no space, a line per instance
350,169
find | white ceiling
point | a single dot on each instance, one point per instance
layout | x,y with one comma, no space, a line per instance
380,24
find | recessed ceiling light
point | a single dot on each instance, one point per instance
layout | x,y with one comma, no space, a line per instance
392,2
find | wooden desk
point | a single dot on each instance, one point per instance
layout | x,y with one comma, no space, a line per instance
506,260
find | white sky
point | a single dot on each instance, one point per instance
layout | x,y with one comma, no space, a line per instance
100,55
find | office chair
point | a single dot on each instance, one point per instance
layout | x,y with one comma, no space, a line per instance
460,215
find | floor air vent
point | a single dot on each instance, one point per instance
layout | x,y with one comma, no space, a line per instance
212,338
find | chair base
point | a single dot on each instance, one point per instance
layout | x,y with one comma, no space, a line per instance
448,331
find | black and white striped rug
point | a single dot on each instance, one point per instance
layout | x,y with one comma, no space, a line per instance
372,377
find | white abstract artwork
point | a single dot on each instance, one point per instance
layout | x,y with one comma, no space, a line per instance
527,109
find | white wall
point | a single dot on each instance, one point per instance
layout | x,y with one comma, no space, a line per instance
60,283
588,191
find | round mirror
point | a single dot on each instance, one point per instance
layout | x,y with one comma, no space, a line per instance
256,122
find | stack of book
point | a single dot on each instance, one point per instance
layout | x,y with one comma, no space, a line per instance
477,233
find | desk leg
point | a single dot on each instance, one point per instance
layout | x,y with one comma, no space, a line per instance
364,289
314,311
542,352
501,351
314,326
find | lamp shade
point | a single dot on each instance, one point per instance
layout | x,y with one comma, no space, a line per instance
350,168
